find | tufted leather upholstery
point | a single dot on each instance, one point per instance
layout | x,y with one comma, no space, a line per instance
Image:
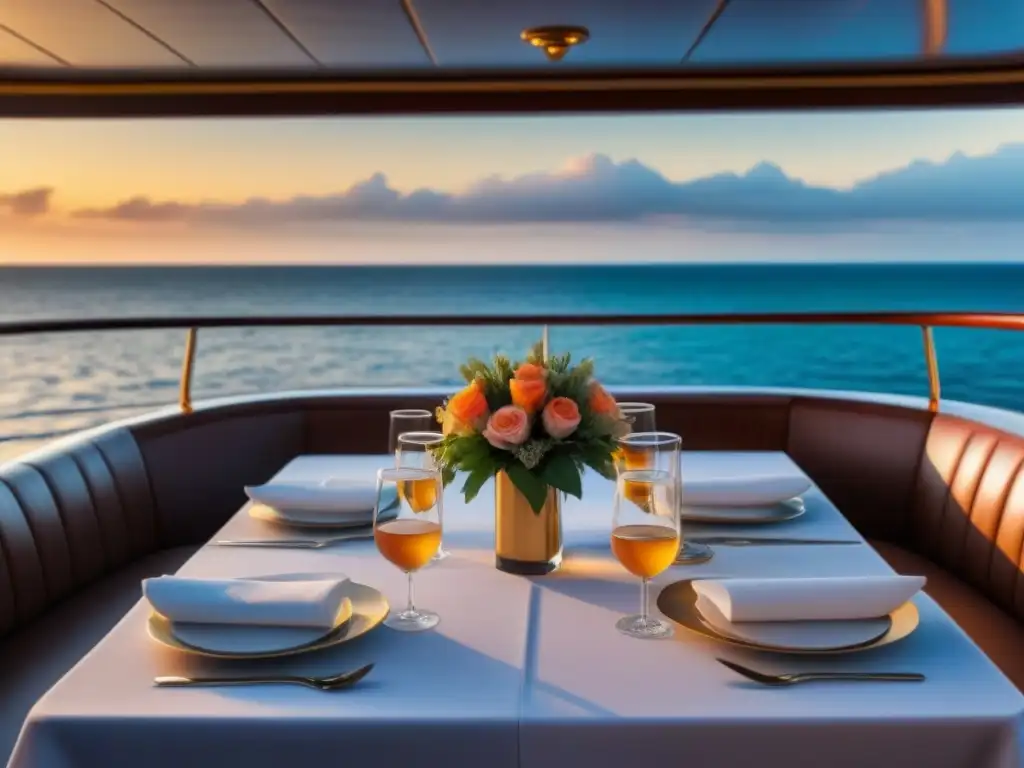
967,514
67,517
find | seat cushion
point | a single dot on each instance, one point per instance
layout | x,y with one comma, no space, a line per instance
996,632
33,659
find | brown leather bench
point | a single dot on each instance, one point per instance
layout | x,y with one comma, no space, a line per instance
82,523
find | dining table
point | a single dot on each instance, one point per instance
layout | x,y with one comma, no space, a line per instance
530,671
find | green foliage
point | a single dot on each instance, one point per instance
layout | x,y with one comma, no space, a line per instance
542,462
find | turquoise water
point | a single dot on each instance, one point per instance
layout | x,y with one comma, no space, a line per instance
58,383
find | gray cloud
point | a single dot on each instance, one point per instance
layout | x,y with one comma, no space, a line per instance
28,202
596,188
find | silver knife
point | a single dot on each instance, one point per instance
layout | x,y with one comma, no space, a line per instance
753,541
294,543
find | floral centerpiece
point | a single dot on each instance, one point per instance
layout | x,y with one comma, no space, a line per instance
535,425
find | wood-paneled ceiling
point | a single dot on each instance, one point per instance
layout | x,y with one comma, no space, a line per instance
363,35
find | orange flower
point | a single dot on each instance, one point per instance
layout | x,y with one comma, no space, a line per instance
561,417
507,428
601,403
531,372
528,394
467,410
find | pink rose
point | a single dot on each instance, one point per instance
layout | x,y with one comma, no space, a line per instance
507,427
561,417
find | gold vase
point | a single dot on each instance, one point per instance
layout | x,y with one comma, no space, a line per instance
526,542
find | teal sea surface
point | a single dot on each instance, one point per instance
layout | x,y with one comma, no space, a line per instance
57,383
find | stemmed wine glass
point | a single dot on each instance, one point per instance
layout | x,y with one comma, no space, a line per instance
645,525
640,417
408,420
415,451
411,538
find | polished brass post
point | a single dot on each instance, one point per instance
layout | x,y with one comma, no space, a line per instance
930,359
545,346
185,390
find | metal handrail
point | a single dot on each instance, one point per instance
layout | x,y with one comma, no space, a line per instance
999,320
925,320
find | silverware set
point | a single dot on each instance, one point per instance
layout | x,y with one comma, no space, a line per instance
349,679
721,541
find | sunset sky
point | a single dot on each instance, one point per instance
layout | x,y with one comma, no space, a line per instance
194,174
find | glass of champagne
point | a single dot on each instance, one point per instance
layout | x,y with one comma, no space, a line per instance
645,526
415,451
408,420
411,538
640,418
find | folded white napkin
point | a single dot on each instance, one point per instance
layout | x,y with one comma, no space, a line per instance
339,496
742,491
813,599
248,601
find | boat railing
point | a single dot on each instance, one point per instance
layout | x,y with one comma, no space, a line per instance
926,321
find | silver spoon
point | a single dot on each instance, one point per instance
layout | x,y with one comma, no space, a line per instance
807,677
332,683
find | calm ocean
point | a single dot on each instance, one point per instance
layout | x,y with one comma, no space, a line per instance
54,384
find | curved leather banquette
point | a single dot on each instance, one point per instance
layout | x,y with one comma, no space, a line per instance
82,522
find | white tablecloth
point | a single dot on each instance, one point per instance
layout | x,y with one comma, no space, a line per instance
531,672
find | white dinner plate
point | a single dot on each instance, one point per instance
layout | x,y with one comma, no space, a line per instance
795,635
312,517
775,513
368,609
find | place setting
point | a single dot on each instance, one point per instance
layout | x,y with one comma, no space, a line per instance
730,496
336,510
825,616
279,616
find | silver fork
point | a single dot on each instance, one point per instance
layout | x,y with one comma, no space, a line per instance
808,677
332,683
295,543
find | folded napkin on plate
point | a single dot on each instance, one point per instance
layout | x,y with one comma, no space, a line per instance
247,601
341,496
740,491
814,599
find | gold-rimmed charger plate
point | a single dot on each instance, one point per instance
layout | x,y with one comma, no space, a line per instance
369,609
678,601
769,513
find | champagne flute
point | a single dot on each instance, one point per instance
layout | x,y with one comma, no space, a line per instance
415,450
408,420
411,538
645,525
639,417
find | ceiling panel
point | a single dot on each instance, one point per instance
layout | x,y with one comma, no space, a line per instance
622,32
752,31
985,26
18,52
84,33
357,33
217,33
